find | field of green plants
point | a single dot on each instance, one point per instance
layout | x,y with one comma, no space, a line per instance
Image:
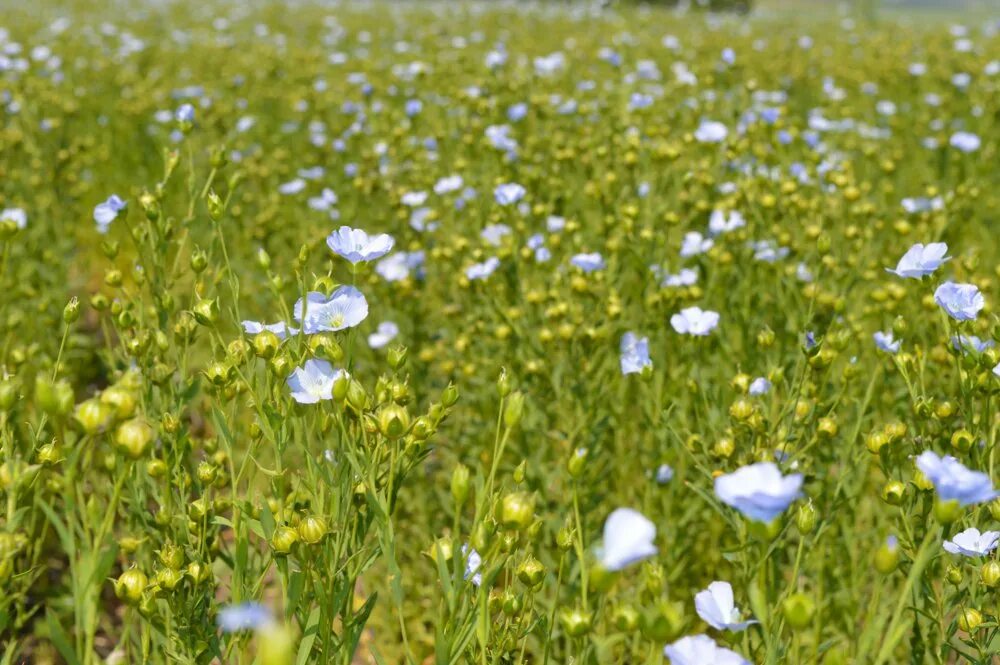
348,332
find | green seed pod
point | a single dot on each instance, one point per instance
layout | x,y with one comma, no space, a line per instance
53,397
990,573
357,398
626,618
130,585
531,572
9,389
576,622
171,556
517,510
894,492
947,512
460,485
206,311
325,346
953,574
662,622
276,645
393,420
133,437
312,529
798,610
168,578
283,539
962,440
577,463
969,619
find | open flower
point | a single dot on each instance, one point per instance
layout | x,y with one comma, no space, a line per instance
473,565
634,353
16,215
701,650
508,193
965,141
313,381
244,616
921,260
710,131
386,332
345,308
759,386
759,491
482,270
954,482
588,262
962,302
694,243
715,607
971,543
695,321
721,222
280,328
356,245
628,538
885,342
107,211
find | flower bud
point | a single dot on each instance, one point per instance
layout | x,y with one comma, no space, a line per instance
513,409
133,437
206,311
741,410
827,427
765,338
130,585
577,462
798,610
340,388
72,311
887,556
312,529
449,396
397,356
460,485
805,518
517,510
215,205
357,398
199,261
504,384
8,394
263,258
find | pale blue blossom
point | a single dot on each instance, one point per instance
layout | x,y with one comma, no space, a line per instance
356,245
344,308
921,260
965,141
694,243
953,481
628,538
695,321
961,302
711,132
588,262
244,616
701,650
759,491
664,474
16,215
971,543
715,606
107,211
313,382
885,342
759,386
634,353
385,333
482,270
280,328
508,193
